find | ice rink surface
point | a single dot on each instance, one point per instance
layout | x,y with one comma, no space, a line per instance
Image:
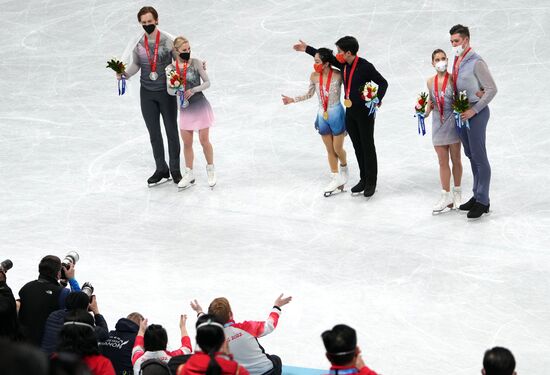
427,294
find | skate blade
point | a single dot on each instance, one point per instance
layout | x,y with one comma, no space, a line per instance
186,187
161,182
339,190
212,186
472,219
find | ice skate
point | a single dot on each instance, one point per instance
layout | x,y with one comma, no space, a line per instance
336,183
158,178
344,173
477,211
457,197
187,180
211,173
445,202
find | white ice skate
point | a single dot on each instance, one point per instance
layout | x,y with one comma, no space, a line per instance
211,172
457,197
336,183
444,202
344,173
187,180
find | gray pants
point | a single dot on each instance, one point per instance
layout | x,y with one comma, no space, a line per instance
473,140
153,105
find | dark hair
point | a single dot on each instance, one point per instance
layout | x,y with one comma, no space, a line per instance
154,366
460,29
499,361
19,359
77,300
435,52
146,10
348,43
325,54
155,338
68,364
340,343
49,266
76,338
210,339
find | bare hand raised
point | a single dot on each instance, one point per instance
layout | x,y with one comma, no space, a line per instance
300,47
280,301
287,99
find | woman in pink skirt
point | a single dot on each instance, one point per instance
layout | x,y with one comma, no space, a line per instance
195,111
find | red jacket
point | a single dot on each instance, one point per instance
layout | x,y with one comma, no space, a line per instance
99,365
198,363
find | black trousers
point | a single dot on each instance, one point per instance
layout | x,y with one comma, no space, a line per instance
277,365
153,105
360,127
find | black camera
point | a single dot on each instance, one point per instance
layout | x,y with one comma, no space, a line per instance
6,265
71,258
88,289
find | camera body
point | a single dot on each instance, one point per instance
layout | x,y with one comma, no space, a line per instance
6,265
88,289
71,258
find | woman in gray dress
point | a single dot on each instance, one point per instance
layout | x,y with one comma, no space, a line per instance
444,134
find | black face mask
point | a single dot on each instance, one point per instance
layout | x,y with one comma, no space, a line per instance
149,28
185,56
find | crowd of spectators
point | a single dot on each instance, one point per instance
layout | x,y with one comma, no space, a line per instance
52,329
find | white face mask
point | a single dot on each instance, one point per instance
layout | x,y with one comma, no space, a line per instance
441,66
457,50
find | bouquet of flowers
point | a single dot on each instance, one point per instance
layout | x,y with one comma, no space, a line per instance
460,105
420,109
175,82
119,67
369,93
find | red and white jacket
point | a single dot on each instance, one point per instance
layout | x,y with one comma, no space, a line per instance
139,355
198,364
243,343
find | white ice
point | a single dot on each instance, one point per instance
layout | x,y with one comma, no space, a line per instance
427,294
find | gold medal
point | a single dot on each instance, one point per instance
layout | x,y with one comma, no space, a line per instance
325,115
347,103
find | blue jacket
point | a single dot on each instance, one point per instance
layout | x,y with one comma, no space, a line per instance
54,324
119,344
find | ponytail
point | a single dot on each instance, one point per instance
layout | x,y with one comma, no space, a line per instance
213,366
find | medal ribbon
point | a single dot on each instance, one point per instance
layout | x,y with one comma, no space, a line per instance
183,78
347,80
440,100
325,94
456,67
153,62
184,75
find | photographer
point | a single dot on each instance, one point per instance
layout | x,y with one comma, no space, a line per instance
54,323
8,310
41,297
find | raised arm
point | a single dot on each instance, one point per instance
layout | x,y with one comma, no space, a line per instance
302,46
487,83
259,328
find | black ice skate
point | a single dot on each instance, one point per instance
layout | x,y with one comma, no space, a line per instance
158,178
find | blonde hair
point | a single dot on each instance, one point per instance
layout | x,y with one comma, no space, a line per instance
179,41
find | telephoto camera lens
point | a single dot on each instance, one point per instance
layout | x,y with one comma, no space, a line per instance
6,265
71,258
88,289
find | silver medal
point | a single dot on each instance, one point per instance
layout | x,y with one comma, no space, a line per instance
153,76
